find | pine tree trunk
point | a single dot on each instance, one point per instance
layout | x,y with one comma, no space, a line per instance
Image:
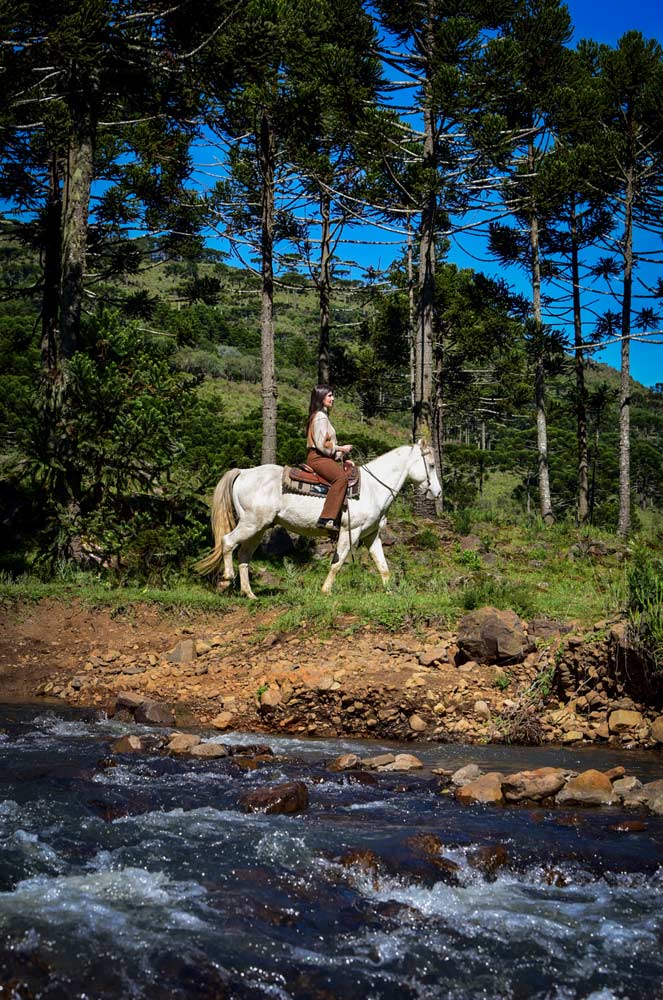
624,523
75,215
581,390
269,393
50,305
545,502
324,290
423,343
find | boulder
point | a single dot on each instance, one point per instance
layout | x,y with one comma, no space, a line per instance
488,858
482,709
541,783
416,723
624,787
182,743
154,713
381,760
270,698
291,797
403,762
487,788
492,636
129,699
590,788
128,744
464,775
345,762
208,750
223,720
622,720
657,729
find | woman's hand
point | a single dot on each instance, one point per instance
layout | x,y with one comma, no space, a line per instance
345,449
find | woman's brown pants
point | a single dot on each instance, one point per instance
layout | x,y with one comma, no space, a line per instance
335,474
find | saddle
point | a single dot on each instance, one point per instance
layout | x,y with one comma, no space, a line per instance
303,480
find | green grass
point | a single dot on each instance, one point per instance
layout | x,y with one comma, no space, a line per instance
534,571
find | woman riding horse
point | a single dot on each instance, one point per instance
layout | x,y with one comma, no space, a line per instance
325,456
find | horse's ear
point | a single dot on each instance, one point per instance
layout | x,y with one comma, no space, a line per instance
423,443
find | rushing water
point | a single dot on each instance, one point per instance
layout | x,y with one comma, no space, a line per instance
146,880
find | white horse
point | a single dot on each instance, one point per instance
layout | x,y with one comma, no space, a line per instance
247,502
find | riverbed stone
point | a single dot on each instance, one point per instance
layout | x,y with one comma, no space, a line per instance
154,713
181,743
345,762
129,699
380,760
403,762
656,731
463,776
416,723
288,798
625,786
487,789
128,744
223,720
541,783
622,720
589,788
206,751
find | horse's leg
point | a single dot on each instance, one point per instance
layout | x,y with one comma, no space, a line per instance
246,550
346,541
246,535
377,554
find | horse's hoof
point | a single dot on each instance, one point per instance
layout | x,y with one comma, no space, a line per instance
224,585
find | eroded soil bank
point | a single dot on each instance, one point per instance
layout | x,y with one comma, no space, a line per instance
232,670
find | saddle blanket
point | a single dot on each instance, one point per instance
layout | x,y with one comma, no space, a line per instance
308,485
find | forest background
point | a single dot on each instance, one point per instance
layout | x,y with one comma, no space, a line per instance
206,208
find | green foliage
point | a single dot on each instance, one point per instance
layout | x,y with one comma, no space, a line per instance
645,607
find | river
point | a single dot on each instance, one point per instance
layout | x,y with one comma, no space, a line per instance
146,880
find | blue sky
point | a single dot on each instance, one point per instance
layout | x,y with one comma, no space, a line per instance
604,22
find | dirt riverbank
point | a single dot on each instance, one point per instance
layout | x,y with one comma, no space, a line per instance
232,670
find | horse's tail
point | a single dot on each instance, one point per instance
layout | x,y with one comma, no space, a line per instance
223,520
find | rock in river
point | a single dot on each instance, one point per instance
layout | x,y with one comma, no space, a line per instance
291,797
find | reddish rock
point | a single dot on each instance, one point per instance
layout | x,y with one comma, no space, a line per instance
291,797
622,720
590,788
270,698
464,775
381,760
436,654
128,744
182,743
208,750
657,729
223,720
403,762
538,784
345,762
487,788
417,724
129,699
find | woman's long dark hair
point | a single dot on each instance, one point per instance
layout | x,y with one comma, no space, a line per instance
317,396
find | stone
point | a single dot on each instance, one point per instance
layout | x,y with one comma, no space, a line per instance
541,783
381,760
270,698
129,699
572,736
182,742
403,762
487,788
656,732
622,720
492,636
183,652
416,723
223,720
154,713
436,654
202,647
288,798
345,762
462,776
488,858
481,709
624,786
589,788
208,750
128,744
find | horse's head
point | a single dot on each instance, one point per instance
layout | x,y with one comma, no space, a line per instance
422,470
